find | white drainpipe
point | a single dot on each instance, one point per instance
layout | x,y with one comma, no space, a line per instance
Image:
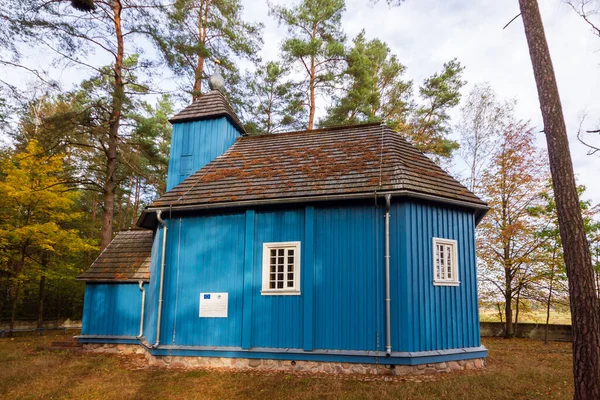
388,338
141,285
162,276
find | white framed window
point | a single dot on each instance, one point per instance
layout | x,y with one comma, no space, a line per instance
281,268
445,262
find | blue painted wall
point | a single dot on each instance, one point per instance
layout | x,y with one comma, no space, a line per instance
151,306
341,305
428,317
276,320
206,254
111,309
195,144
349,278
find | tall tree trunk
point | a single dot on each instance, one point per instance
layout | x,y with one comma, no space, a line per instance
582,291
517,303
197,88
126,219
199,70
549,302
508,324
500,313
118,95
311,100
42,291
13,307
136,203
508,294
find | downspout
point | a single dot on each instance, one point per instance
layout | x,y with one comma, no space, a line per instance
162,276
141,285
388,339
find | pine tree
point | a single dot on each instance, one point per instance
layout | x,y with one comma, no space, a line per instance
375,88
582,286
200,31
315,45
276,100
429,124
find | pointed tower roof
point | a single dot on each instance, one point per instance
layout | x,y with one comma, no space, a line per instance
210,105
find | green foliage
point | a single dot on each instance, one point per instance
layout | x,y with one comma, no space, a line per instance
152,139
376,91
315,44
276,100
552,269
375,88
199,31
429,123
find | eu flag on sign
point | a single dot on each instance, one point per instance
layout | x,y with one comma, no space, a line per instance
207,297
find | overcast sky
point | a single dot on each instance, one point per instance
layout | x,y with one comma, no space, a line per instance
426,33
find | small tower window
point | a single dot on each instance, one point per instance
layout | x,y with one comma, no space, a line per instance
445,262
281,268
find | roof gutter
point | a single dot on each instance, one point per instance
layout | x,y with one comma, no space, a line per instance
481,209
162,277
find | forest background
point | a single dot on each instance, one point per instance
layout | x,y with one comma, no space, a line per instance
84,113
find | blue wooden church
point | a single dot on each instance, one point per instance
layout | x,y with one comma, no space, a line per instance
338,246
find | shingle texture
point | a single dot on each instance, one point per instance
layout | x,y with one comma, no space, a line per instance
210,105
337,161
126,258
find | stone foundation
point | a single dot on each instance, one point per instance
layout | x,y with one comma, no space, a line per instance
270,365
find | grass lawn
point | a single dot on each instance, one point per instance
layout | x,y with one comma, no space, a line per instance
517,369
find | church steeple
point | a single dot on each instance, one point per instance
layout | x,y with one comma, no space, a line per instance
201,132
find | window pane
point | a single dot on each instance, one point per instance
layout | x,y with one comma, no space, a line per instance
272,268
290,284
279,285
281,260
273,252
290,260
290,267
279,277
272,277
291,277
280,251
291,252
280,268
271,285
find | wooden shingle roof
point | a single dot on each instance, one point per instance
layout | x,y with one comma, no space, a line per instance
350,161
125,259
210,105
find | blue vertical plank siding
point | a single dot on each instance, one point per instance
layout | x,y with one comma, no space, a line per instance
151,305
112,309
432,317
308,278
195,144
349,278
277,320
205,254
342,300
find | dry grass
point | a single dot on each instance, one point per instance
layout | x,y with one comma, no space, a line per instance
533,316
517,369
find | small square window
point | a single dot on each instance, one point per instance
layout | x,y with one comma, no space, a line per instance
281,268
445,262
